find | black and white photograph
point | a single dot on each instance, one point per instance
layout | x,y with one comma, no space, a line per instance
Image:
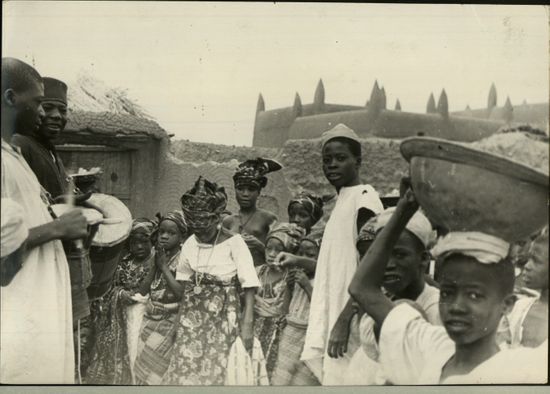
274,194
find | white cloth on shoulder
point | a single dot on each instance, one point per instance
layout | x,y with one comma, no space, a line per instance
14,229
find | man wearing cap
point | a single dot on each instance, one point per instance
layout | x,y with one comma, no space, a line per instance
36,344
37,145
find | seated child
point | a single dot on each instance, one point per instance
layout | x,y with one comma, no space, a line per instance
527,324
477,283
404,278
156,337
289,369
270,299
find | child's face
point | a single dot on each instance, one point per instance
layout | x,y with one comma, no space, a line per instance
169,236
471,302
247,195
535,273
272,248
308,249
299,215
406,265
140,246
339,165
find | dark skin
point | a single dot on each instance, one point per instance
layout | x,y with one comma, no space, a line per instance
472,300
341,168
300,216
22,110
307,250
535,276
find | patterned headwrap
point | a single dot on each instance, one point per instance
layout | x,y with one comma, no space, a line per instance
252,172
312,204
315,237
205,201
143,226
289,234
176,217
368,231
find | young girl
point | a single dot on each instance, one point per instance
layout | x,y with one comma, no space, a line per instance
214,265
289,370
119,321
477,281
272,297
305,210
157,331
332,310
252,222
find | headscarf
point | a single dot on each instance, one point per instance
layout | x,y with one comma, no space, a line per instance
176,217
315,237
203,202
312,204
143,226
14,230
419,225
368,231
252,172
289,234
485,248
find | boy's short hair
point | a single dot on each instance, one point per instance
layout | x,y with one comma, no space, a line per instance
503,271
354,146
18,75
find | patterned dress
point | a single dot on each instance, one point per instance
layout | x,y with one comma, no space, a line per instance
109,357
157,331
269,316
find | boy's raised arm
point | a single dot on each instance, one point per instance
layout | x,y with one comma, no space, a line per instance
365,286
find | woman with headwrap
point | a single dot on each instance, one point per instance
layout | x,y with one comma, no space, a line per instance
252,222
157,331
273,297
118,316
213,266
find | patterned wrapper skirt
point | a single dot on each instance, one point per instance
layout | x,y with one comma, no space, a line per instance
155,345
207,326
289,370
268,330
109,362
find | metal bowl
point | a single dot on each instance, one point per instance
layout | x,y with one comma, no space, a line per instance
464,189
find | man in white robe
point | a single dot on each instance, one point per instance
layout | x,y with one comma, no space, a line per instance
36,343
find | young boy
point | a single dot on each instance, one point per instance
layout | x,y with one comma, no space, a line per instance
404,278
527,324
331,308
476,291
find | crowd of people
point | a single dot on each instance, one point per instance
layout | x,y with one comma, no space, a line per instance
203,296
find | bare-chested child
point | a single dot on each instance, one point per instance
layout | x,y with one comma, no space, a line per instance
252,222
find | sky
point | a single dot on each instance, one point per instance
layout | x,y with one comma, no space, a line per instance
198,67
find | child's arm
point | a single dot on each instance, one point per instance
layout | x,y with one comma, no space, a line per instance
365,286
291,260
175,286
304,283
339,335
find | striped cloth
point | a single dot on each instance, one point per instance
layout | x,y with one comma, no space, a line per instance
289,370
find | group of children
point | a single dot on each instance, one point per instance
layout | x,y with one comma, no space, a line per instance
190,287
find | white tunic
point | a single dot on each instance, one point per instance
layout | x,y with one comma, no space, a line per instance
36,336
413,351
336,265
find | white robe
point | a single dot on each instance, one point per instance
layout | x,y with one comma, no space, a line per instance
36,336
336,265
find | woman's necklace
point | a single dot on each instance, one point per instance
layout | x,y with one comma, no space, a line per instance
243,225
197,289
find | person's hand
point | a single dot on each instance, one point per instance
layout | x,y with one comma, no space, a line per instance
252,242
302,279
72,225
285,259
338,341
247,335
79,199
160,258
407,195
126,296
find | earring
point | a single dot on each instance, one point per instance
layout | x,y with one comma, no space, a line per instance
219,226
